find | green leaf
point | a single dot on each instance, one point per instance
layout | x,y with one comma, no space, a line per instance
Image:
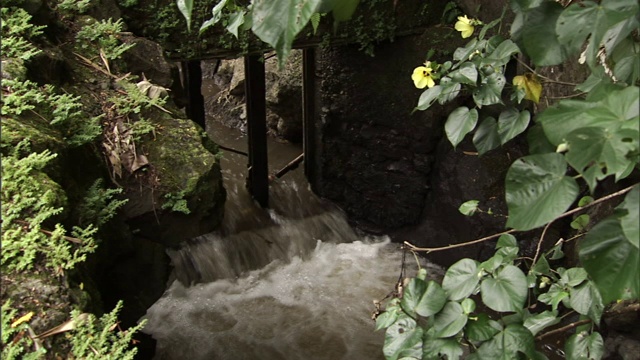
573,277
541,267
412,294
506,291
507,343
435,349
563,118
486,137
469,207
450,90
466,74
235,21
450,321
508,253
493,263
428,97
585,299
538,142
540,321
629,221
594,148
576,23
580,222
584,346
554,296
490,89
432,301
278,22
186,8
460,122
482,328
611,260
512,123
463,54
537,191
506,240
468,306
461,279
502,54
538,35
216,15
403,338
344,9
389,316
585,200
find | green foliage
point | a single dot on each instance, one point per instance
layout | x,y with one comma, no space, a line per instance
102,36
91,338
132,106
14,344
29,201
276,22
101,339
176,202
99,204
432,319
17,34
596,136
71,7
63,111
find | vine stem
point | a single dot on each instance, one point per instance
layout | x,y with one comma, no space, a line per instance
453,246
412,247
563,329
578,209
542,76
50,233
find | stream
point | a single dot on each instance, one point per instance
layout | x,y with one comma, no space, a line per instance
291,282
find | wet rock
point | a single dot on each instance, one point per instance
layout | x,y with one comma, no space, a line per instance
48,67
374,157
183,172
147,59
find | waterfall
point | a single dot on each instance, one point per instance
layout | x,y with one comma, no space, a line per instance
292,282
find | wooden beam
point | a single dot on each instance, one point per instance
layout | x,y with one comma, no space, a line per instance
308,113
192,82
257,181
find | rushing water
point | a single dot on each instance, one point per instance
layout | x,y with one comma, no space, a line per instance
292,282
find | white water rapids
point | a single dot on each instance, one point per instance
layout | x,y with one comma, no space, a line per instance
296,284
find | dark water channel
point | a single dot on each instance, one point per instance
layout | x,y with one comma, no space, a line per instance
291,282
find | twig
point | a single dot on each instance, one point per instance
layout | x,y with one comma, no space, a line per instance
50,233
578,209
542,76
563,329
570,212
429,250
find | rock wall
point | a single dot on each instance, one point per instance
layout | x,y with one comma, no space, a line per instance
376,157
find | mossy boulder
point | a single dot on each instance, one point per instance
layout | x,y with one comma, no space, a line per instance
184,197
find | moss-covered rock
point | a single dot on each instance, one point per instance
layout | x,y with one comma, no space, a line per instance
186,196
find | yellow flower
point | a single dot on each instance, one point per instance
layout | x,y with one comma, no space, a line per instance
465,26
422,76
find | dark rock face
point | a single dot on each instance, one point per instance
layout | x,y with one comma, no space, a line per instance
375,157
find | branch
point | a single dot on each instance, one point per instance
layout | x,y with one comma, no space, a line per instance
570,212
563,329
578,209
50,233
429,250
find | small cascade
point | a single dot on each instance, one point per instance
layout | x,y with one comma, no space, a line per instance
292,282
211,257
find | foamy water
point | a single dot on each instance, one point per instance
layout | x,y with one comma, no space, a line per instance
318,308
